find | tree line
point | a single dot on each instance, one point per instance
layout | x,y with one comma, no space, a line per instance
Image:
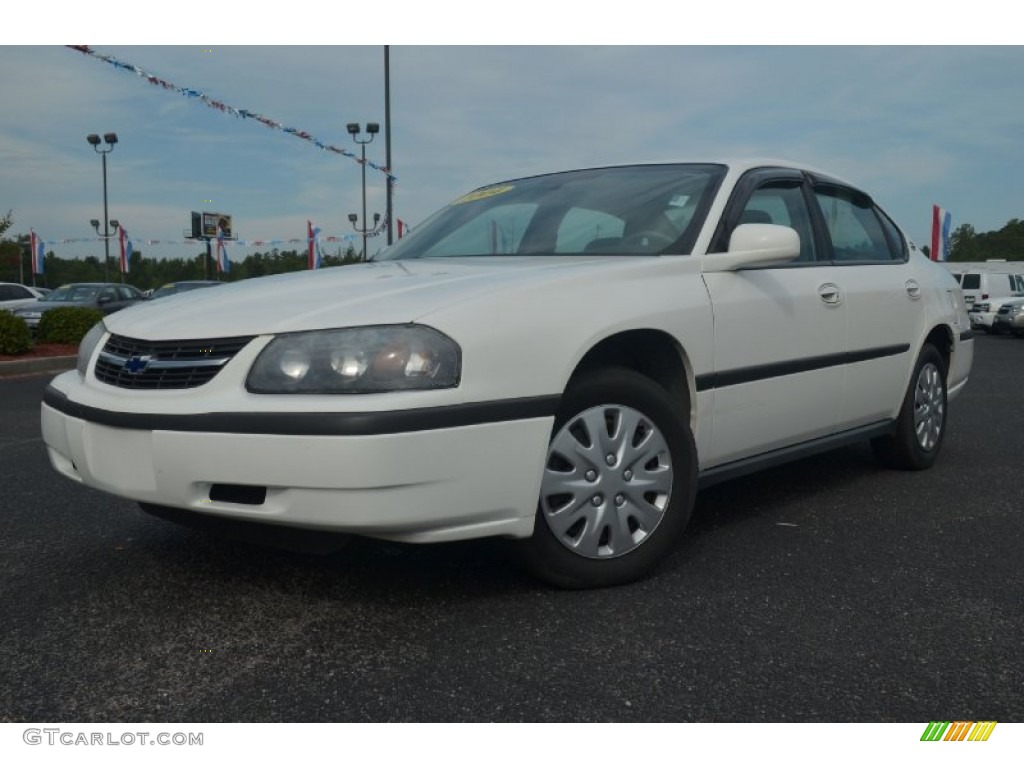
1007,243
965,245
145,273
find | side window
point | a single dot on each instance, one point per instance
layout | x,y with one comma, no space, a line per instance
108,294
897,245
781,203
854,227
11,292
126,293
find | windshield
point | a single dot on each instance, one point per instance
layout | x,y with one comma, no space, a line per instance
166,290
634,210
82,293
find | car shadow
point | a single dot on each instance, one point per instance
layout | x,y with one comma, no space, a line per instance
334,566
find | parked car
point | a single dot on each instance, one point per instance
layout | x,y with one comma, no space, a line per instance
561,360
1010,318
106,297
982,313
988,286
181,286
14,295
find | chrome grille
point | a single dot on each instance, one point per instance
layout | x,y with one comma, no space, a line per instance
138,364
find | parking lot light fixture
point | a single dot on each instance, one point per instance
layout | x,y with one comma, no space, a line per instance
94,141
372,129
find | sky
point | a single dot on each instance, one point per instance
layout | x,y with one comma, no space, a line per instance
912,125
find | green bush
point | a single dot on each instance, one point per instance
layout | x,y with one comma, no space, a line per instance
15,337
67,325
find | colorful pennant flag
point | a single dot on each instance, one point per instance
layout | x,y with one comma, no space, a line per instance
220,106
941,223
126,251
223,262
315,254
403,228
38,253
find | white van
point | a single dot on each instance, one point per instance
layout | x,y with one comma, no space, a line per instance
984,285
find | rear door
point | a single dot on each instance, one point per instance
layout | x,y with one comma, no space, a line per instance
970,283
883,296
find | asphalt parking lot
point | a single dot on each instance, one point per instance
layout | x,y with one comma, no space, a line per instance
827,590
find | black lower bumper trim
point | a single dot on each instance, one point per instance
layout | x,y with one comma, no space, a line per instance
318,423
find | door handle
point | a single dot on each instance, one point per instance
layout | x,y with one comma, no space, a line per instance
913,289
830,293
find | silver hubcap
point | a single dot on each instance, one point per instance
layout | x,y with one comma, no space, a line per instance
607,481
929,407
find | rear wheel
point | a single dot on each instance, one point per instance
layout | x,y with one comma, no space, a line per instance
618,486
921,424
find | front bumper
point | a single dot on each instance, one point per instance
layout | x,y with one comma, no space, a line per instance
31,322
447,483
981,320
1008,322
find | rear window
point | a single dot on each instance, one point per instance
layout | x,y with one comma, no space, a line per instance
971,282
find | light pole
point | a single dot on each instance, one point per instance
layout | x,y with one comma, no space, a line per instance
389,205
372,129
111,140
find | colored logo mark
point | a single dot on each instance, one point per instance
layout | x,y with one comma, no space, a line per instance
137,364
958,731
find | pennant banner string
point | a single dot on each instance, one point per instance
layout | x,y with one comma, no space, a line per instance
220,106
196,241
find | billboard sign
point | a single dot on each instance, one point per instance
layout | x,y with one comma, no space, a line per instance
205,225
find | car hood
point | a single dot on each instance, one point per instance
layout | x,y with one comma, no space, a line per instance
375,293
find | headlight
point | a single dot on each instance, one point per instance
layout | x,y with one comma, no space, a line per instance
88,345
357,361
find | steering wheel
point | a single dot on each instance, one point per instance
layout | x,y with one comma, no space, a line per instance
647,241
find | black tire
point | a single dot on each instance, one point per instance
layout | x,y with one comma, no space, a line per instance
589,544
921,425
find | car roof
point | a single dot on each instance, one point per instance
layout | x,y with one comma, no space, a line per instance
736,166
97,285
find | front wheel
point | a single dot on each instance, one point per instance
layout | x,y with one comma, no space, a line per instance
618,485
921,424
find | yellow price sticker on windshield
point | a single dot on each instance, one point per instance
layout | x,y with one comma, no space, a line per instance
482,194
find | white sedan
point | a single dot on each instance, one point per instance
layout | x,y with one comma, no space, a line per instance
14,295
561,360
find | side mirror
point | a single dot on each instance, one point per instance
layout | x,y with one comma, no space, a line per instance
754,244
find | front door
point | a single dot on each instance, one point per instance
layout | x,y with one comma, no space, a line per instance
779,334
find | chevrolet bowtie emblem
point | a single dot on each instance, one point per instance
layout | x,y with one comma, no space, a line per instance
137,364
